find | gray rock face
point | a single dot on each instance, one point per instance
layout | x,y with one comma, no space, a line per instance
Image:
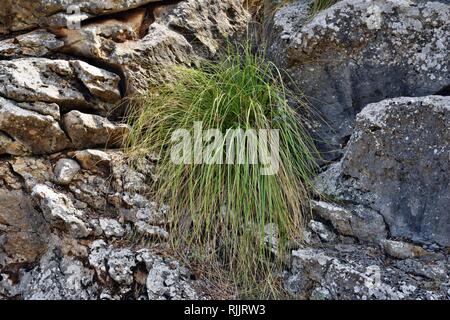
359,222
359,272
358,52
397,163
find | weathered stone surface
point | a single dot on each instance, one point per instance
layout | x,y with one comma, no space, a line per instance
358,52
65,171
24,14
362,273
46,80
87,130
167,279
112,228
397,163
40,79
402,250
60,212
37,43
58,277
362,223
12,147
99,82
29,127
23,231
181,33
94,160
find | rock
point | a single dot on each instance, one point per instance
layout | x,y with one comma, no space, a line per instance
23,231
153,232
402,250
361,223
111,228
28,127
59,211
39,79
360,274
87,130
348,56
25,15
180,34
12,147
94,160
38,43
46,109
56,81
397,163
58,278
32,170
166,279
322,231
100,83
120,266
65,171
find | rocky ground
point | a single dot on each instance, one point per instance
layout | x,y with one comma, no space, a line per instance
76,221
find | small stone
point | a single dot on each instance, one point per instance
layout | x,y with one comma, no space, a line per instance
402,250
94,160
151,231
65,171
111,228
322,231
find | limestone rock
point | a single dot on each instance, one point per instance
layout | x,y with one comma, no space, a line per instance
29,127
402,250
38,43
180,34
361,273
87,130
397,163
60,212
100,83
94,160
23,231
24,14
111,228
362,223
358,52
40,79
65,171
58,278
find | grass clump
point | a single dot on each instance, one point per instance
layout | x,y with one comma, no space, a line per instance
223,215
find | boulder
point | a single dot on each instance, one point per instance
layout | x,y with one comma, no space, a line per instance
358,52
397,163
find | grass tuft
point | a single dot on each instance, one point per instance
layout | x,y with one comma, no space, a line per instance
223,214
